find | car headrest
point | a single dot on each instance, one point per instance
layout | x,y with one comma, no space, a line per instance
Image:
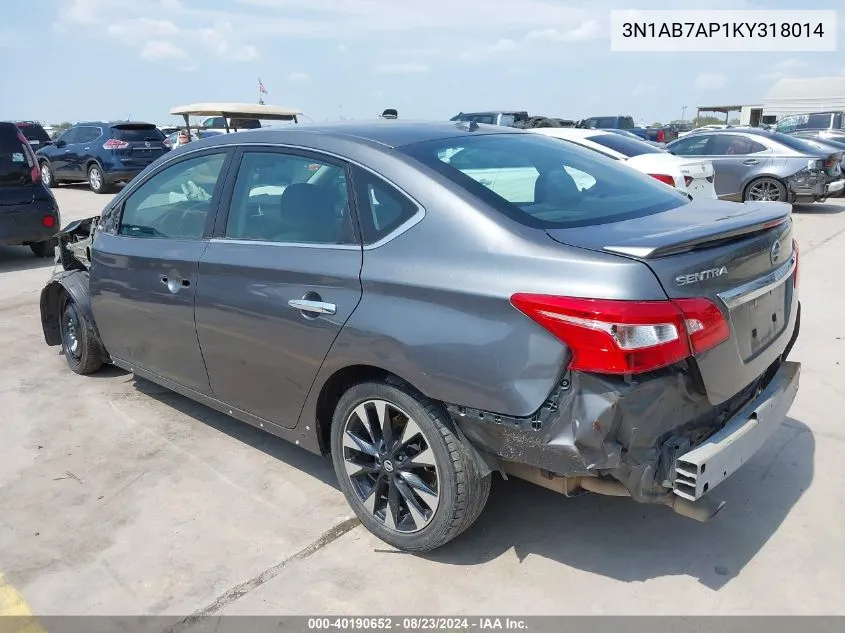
309,212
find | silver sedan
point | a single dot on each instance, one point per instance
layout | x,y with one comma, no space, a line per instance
752,164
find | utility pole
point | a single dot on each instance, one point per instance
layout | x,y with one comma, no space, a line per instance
683,113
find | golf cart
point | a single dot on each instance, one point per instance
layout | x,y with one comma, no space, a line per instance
222,118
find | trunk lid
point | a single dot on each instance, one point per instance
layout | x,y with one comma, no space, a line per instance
740,256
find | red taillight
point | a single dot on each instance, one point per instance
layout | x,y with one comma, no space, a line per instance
665,178
705,324
688,180
49,221
115,143
661,136
35,171
795,274
619,337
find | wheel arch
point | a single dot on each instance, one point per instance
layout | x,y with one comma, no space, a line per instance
346,377
74,285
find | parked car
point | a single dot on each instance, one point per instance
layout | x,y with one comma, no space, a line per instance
219,123
754,164
620,122
34,133
506,118
829,145
634,136
691,176
345,287
830,124
101,153
29,214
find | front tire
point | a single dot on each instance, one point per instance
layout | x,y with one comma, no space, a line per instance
766,190
78,340
406,475
97,179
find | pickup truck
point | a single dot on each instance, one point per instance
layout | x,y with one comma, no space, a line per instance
619,122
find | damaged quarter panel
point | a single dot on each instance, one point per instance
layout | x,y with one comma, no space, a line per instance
438,314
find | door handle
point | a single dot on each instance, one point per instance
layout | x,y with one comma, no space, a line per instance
751,161
318,307
174,285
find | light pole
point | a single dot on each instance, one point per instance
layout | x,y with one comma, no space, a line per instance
683,113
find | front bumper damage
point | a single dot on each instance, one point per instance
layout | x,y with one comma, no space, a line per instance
814,186
656,439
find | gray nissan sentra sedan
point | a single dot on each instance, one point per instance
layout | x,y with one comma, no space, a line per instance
430,303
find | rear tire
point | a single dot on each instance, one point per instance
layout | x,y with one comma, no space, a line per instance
79,342
45,248
47,176
415,486
97,179
765,189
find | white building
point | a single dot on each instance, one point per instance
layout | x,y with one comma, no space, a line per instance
803,96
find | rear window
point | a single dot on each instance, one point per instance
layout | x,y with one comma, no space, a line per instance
130,133
33,132
624,144
541,182
793,142
16,158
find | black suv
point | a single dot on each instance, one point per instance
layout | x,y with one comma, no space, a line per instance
101,153
28,211
34,133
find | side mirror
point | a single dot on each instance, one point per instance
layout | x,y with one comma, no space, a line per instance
60,143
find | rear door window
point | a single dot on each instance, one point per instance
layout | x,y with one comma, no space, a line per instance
88,134
733,145
290,198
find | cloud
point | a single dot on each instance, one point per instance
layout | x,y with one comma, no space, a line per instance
402,69
588,30
155,50
222,41
341,48
783,69
710,81
299,78
142,29
642,89
502,46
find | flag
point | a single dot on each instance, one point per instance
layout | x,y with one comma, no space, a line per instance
261,88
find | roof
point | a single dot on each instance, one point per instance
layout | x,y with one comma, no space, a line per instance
389,133
237,110
724,109
805,96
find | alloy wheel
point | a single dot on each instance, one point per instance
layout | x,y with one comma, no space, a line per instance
45,175
96,178
391,466
765,190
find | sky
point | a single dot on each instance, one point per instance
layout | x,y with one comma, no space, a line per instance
70,60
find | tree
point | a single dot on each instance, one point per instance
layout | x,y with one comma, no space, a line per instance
657,124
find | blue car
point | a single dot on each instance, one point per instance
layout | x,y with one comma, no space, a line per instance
101,153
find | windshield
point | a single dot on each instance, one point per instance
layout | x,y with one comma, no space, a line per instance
541,182
624,144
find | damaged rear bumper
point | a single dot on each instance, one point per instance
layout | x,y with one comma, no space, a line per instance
658,436
703,468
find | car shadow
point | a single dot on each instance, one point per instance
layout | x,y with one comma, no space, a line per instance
819,208
319,467
631,542
15,258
